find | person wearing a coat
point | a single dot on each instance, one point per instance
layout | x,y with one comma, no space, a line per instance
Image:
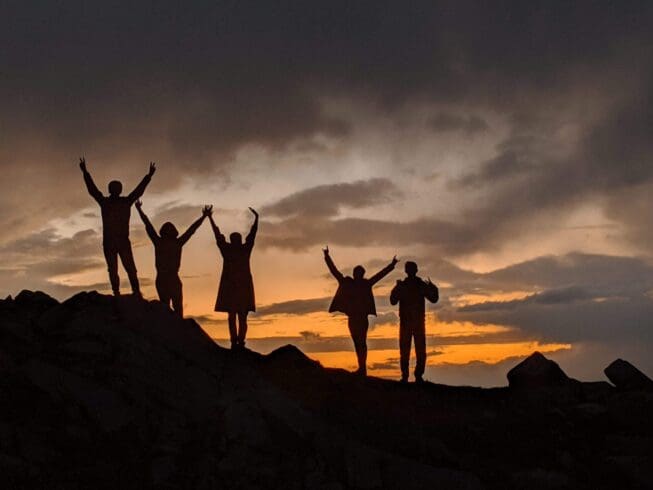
236,290
355,299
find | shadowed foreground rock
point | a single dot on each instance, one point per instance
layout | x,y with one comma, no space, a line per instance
625,376
536,371
103,393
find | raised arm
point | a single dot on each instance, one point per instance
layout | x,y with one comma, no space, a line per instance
151,232
332,267
395,294
193,228
431,291
140,188
219,237
385,271
251,236
88,180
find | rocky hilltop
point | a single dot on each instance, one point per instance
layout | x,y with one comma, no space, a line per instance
105,393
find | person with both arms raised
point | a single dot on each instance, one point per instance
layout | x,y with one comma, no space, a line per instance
355,299
236,290
167,252
116,213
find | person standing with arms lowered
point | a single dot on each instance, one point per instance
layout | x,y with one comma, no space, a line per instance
410,294
116,213
355,299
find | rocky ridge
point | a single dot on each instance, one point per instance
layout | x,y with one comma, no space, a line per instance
98,392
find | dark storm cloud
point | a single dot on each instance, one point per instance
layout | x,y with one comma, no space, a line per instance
194,83
508,164
581,298
329,200
210,76
559,296
311,217
445,121
30,262
616,275
295,307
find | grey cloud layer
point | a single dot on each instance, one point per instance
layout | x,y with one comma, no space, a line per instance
328,200
200,82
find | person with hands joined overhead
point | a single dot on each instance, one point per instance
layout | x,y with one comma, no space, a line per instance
236,290
355,299
167,252
116,213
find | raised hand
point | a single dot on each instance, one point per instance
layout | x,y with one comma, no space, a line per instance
152,169
138,204
253,212
207,211
394,260
82,164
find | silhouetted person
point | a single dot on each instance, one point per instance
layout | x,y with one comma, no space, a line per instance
167,253
236,291
355,299
410,294
116,212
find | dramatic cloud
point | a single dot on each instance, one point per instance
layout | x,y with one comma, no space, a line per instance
295,307
328,200
453,133
445,121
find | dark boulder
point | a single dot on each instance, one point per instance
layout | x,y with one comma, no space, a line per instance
537,371
627,377
35,301
290,357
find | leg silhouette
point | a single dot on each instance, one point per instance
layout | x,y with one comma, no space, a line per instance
405,338
358,329
111,257
420,353
128,263
242,328
178,298
233,331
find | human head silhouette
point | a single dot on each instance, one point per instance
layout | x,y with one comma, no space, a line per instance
115,188
236,238
359,272
410,268
168,230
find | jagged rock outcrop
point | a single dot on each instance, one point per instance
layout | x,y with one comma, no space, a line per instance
627,377
106,393
536,371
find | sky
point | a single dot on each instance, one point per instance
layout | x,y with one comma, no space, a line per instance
504,146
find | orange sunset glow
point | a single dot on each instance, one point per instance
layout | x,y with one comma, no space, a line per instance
521,189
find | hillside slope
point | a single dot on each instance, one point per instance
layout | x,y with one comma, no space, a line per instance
98,392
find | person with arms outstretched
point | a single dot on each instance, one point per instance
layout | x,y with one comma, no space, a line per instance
167,253
410,294
236,290
355,299
116,212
